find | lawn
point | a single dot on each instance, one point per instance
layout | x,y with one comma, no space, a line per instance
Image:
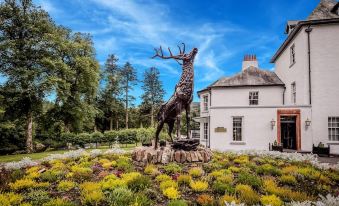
40,155
93,178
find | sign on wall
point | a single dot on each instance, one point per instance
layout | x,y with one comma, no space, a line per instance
220,129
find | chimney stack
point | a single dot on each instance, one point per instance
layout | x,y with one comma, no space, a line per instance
249,60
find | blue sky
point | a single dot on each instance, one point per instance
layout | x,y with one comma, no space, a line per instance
223,31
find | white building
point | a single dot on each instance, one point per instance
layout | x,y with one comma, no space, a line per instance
296,105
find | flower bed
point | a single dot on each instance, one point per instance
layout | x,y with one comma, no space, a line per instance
233,178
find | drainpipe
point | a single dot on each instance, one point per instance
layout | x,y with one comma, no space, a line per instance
209,121
308,31
284,95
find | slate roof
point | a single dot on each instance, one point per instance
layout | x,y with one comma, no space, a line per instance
252,76
324,10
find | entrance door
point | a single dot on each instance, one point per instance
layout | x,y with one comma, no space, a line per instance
288,132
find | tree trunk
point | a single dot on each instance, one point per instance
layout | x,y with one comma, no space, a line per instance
117,126
126,106
29,133
111,124
152,116
95,128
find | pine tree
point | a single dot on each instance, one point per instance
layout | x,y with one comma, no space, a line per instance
153,91
128,80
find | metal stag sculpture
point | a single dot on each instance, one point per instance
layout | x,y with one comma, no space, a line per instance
183,95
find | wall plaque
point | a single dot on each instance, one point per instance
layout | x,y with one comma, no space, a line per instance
220,129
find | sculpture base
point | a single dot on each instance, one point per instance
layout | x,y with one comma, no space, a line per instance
186,144
148,155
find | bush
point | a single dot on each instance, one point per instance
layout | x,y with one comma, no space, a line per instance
177,203
8,199
271,200
121,196
51,175
37,197
22,184
288,179
97,137
142,200
171,193
82,139
205,200
199,186
151,170
267,169
127,136
58,202
81,173
91,193
241,160
139,183
195,172
111,136
249,179
222,188
168,183
184,180
65,186
124,164
172,168
163,177
145,135
247,194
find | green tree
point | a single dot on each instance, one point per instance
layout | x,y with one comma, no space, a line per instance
153,91
128,80
25,32
109,100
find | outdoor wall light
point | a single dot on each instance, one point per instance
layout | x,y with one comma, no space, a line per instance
307,122
272,123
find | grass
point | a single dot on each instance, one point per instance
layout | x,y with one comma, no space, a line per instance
35,156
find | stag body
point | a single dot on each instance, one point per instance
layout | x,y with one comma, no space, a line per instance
182,97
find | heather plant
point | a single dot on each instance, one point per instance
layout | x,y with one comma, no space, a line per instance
177,203
163,177
91,193
37,197
168,183
120,196
246,194
227,199
10,198
151,170
271,200
22,184
139,183
171,193
184,180
268,169
196,172
199,186
58,202
222,188
249,179
288,180
172,168
65,186
205,200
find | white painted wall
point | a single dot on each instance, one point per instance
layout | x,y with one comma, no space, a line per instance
325,77
239,96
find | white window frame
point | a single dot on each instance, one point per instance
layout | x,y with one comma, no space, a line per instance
294,93
205,103
333,128
253,98
205,130
292,55
236,128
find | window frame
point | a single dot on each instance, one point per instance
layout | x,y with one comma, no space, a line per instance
292,55
252,99
333,125
235,128
205,130
294,92
205,103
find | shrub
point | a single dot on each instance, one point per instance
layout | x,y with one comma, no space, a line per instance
218,173
234,169
58,202
171,193
177,203
96,137
288,179
227,199
241,160
168,183
91,193
65,186
172,168
151,170
128,177
222,188
33,172
291,170
145,135
271,200
37,197
120,196
10,198
225,179
51,175
81,173
184,179
142,200
124,164
22,184
199,186
163,177
205,200
139,183
111,184
309,173
110,136
249,179
247,195
195,172
83,138
268,169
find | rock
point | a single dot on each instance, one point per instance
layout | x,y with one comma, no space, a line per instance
194,157
186,144
182,156
177,156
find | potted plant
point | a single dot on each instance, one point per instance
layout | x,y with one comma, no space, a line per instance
321,149
276,147
162,143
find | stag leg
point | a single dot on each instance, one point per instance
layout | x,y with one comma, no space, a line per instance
170,128
178,111
159,127
188,110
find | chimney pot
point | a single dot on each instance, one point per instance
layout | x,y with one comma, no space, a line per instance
249,60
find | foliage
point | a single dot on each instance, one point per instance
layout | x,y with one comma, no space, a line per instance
205,200
249,179
22,184
65,186
151,169
227,199
195,172
139,183
37,197
246,194
177,203
163,177
120,196
184,180
271,200
58,202
10,198
222,188
171,193
288,179
91,193
168,183
199,186
172,168
268,169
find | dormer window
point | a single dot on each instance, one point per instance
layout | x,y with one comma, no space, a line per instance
292,55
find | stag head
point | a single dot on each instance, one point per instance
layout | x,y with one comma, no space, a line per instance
181,56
